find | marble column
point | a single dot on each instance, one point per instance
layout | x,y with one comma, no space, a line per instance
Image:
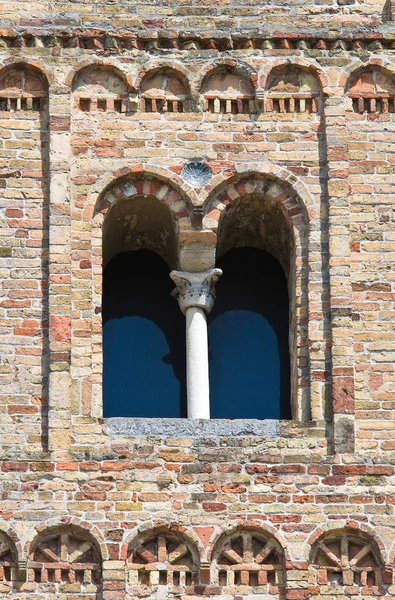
195,293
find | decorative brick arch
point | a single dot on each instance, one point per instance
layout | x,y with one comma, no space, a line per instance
265,169
233,527
238,67
178,69
94,62
10,555
353,527
247,555
347,555
66,521
299,63
32,64
355,67
163,557
119,185
239,188
66,554
164,185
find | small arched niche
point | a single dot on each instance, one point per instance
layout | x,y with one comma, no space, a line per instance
371,91
340,559
8,563
22,88
249,324
249,560
225,90
65,560
292,90
100,89
164,91
143,328
162,563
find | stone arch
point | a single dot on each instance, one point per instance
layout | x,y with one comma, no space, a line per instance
345,556
68,557
228,87
248,556
10,553
370,89
164,558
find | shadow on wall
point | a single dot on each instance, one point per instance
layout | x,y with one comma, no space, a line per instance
248,338
143,339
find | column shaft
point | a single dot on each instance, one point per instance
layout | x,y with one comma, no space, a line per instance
197,364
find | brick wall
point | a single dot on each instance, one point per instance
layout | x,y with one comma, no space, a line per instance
305,120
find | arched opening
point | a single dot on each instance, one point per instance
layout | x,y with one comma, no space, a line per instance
143,327
249,324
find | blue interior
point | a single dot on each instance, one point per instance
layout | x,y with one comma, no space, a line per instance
143,339
248,338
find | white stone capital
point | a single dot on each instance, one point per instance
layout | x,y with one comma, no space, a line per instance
195,289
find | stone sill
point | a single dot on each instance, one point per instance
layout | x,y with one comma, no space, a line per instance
270,428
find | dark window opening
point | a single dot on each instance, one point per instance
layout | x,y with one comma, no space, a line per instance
143,339
248,338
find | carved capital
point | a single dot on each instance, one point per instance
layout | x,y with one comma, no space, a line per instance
195,289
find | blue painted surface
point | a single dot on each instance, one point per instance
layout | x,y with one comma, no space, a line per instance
143,339
248,338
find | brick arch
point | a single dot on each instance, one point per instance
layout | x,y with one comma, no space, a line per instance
351,70
344,526
266,530
155,66
241,68
283,176
29,64
149,528
108,63
10,557
53,524
163,555
300,63
242,186
155,183
344,552
248,555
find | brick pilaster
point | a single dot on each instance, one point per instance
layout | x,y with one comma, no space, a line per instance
342,351
59,272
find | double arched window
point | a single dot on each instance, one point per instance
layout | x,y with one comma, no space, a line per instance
144,331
